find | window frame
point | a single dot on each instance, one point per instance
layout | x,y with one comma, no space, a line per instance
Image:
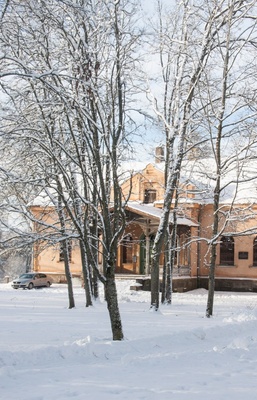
227,255
150,195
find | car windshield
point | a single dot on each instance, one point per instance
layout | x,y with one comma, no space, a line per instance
26,276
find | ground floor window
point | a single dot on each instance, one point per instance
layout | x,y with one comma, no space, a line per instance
182,255
227,250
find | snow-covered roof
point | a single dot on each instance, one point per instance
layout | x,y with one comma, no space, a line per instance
238,179
149,210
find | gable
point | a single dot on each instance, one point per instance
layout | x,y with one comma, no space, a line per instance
150,179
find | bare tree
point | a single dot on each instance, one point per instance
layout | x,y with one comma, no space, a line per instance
187,55
71,67
229,116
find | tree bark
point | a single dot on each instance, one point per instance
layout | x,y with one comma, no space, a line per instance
112,301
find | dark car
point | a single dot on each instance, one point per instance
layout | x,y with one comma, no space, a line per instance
31,280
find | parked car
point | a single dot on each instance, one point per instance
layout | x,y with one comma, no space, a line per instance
31,280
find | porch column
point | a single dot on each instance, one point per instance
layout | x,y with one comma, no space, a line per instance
147,253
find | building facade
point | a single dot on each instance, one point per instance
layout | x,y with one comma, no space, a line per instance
236,266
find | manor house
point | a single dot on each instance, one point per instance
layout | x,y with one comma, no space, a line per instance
236,267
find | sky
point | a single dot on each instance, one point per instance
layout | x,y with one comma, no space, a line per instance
48,352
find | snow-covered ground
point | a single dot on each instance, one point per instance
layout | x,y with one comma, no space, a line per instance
48,352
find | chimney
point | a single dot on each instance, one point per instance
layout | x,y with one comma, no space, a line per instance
159,154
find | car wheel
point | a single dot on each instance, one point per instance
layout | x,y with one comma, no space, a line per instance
48,284
30,286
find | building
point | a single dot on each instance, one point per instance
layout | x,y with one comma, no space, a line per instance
236,267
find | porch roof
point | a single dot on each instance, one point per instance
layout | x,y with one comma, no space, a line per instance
148,210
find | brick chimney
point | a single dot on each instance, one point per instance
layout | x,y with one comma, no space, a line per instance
159,154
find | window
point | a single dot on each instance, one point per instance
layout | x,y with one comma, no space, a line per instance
255,252
182,255
227,250
127,249
150,196
61,255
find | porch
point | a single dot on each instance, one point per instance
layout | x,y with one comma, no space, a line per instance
134,253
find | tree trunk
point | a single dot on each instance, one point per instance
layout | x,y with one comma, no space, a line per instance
68,273
164,273
112,303
211,284
94,256
65,247
173,245
86,277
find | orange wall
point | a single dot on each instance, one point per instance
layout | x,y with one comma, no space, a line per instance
46,259
242,268
150,178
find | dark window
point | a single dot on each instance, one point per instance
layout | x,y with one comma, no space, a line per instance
61,256
243,255
255,252
127,247
150,196
227,250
